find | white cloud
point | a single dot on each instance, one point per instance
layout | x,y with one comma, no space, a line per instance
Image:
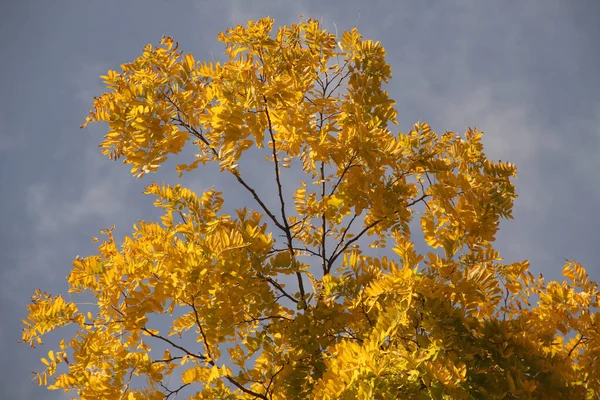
511,134
54,206
57,213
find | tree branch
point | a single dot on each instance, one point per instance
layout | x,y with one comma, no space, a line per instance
349,242
267,318
273,378
183,349
579,341
350,165
342,238
235,173
306,249
323,222
172,392
193,306
335,255
212,363
286,226
279,287
258,200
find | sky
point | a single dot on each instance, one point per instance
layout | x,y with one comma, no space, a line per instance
525,73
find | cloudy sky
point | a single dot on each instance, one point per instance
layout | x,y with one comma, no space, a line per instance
524,72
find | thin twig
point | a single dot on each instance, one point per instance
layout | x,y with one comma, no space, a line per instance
172,392
278,286
164,339
343,236
581,339
349,242
334,256
273,378
235,173
350,165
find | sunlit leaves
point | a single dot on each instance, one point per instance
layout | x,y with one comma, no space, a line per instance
300,300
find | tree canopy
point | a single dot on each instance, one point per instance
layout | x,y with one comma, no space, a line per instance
303,300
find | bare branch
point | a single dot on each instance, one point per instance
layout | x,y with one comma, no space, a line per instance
267,318
350,165
342,238
323,221
286,226
349,242
183,349
167,360
235,173
278,286
582,339
273,378
258,200
172,392
244,389
197,317
306,249
335,255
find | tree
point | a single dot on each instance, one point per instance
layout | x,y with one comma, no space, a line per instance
294,302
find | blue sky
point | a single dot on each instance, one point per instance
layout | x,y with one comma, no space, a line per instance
523,72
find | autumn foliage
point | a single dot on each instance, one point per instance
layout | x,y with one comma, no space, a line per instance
302,300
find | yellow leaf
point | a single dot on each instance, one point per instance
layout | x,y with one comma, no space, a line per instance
189,61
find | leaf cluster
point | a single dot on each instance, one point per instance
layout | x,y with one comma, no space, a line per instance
292,301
